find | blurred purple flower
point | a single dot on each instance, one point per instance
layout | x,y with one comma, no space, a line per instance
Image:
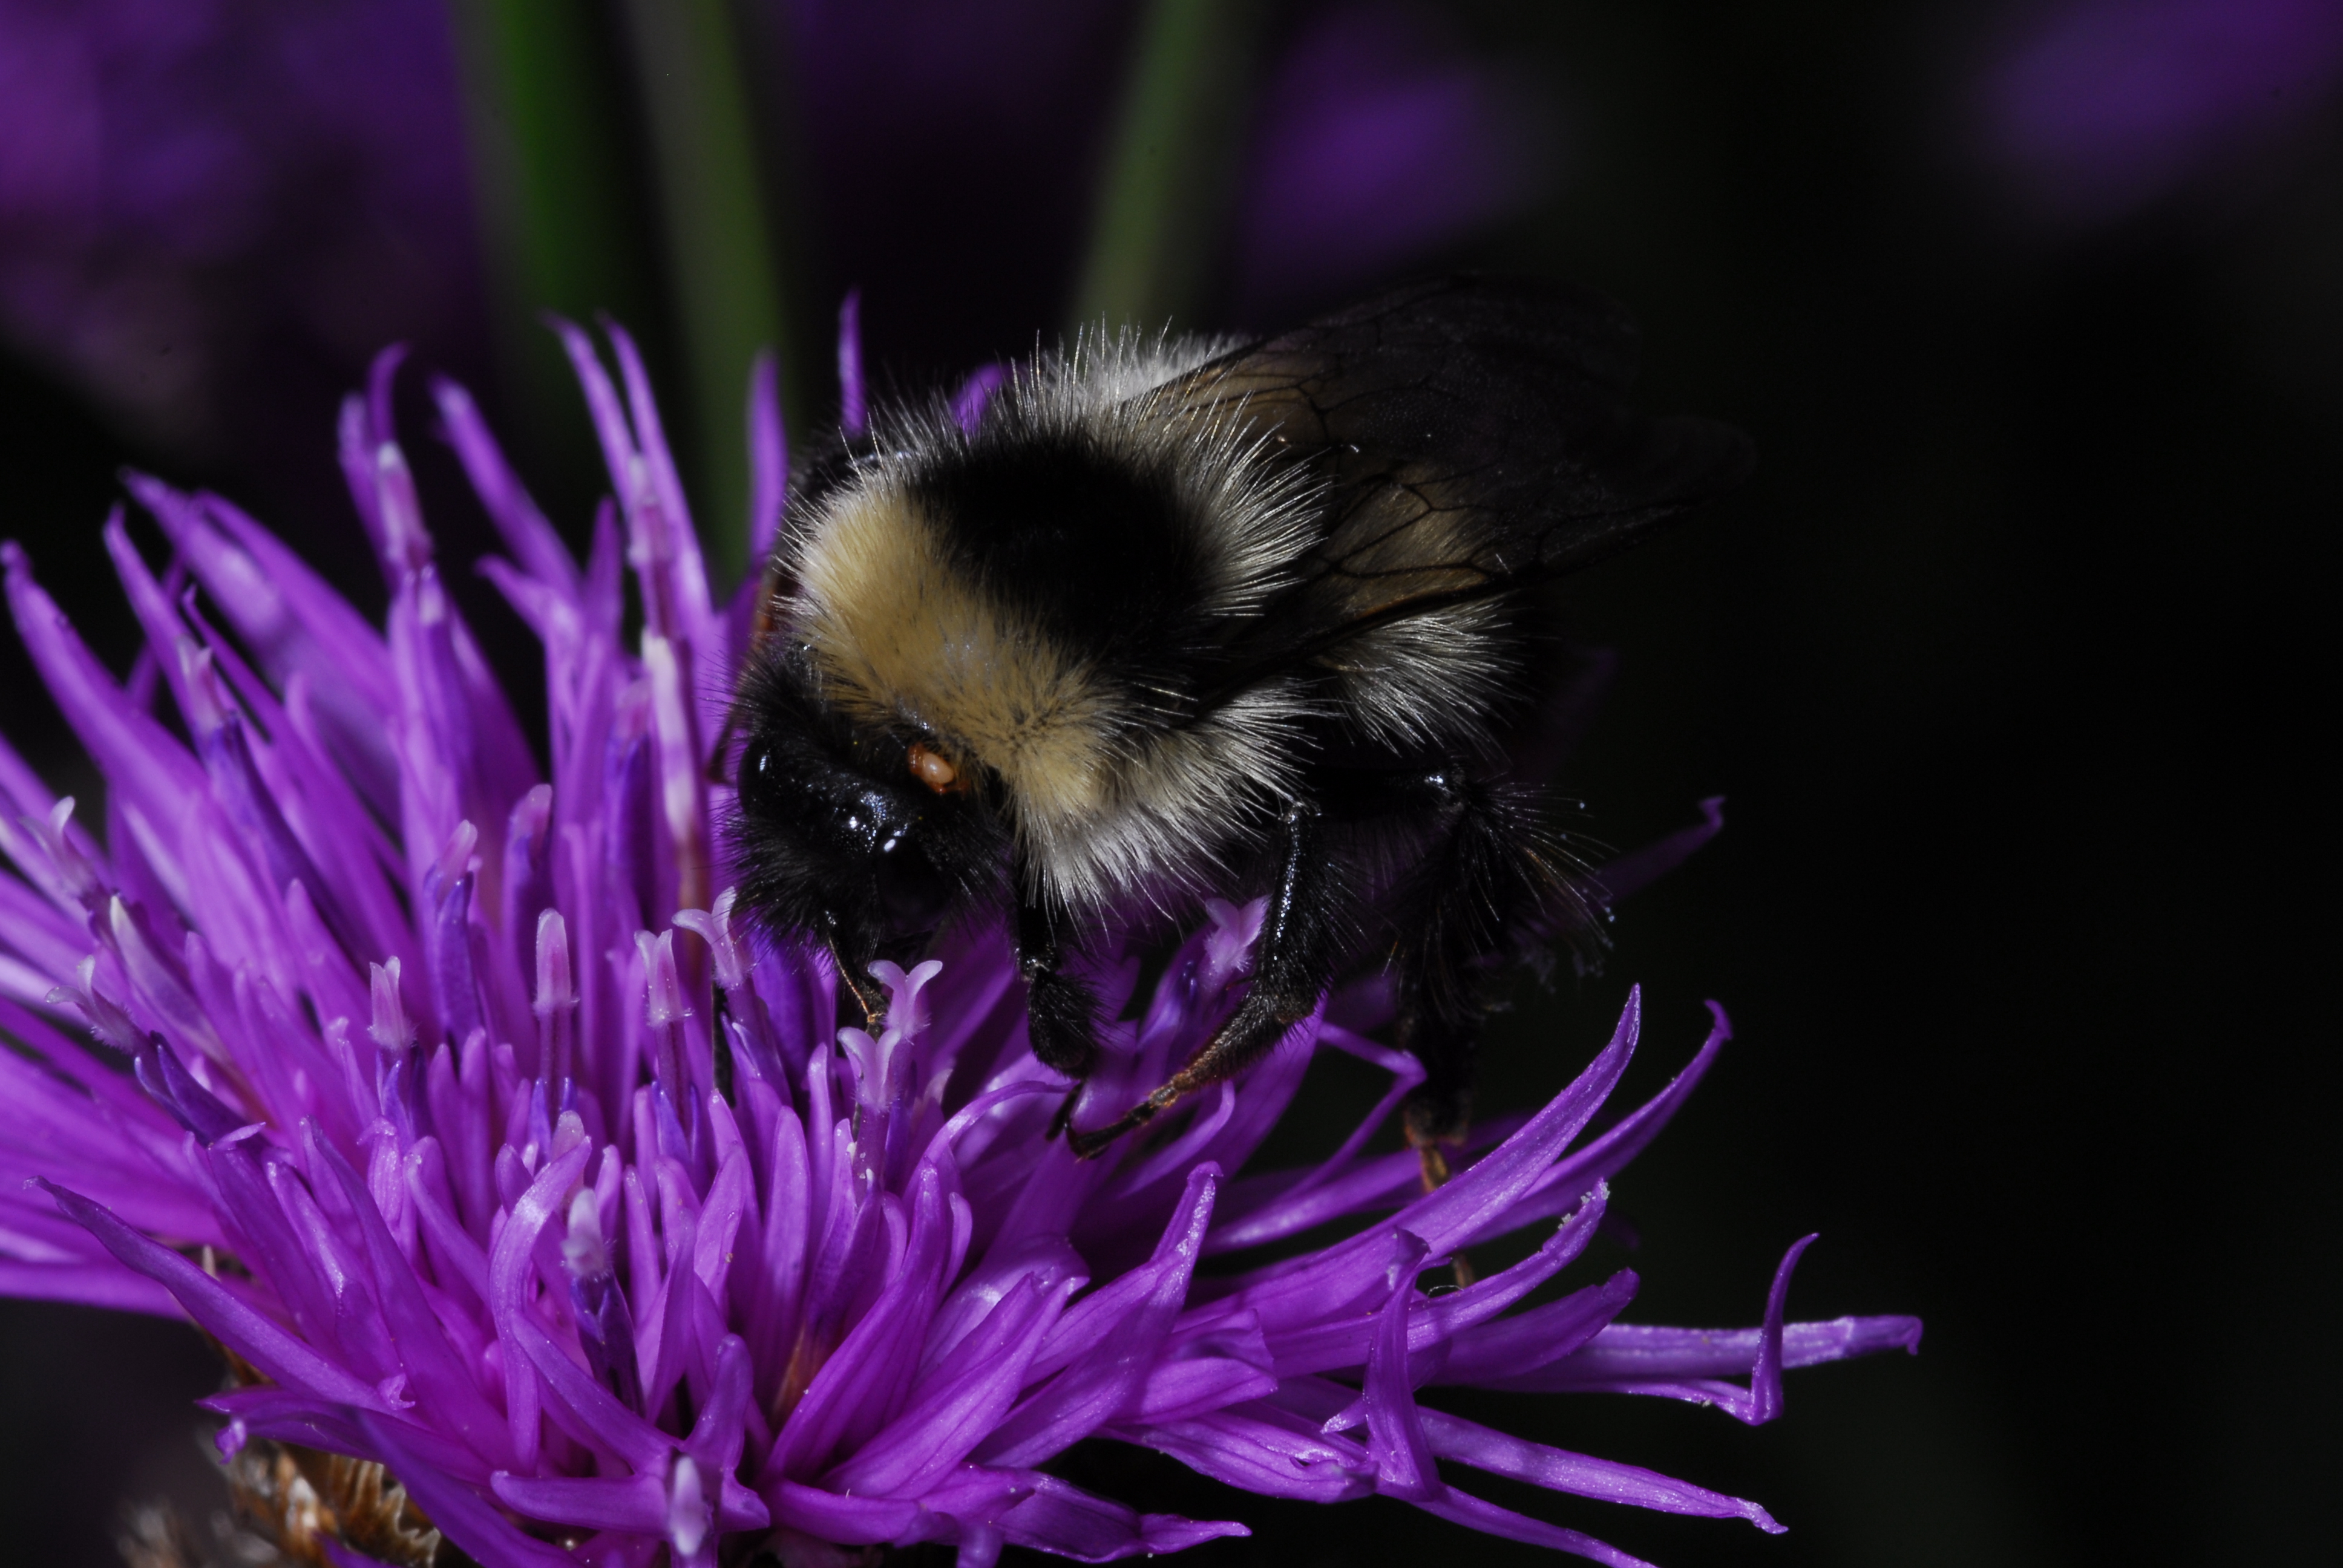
462,1114
2106,106
1379,143
208,211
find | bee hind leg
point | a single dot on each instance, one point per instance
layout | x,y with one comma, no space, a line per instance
1502,876
1437,1114
1299,943
1059,1011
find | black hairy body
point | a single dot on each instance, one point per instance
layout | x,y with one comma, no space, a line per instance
1190,618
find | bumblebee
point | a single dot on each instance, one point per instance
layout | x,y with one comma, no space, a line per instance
1182,616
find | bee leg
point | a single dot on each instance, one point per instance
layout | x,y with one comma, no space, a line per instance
1440,1016
1501,873
1059,1008
852,960
1445,1036
1298,948
1443,922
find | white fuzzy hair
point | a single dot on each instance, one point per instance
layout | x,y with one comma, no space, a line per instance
1114,791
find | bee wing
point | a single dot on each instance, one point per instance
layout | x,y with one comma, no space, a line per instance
1475,438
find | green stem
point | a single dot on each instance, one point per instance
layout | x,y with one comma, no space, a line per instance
720,263
559,208
1162,204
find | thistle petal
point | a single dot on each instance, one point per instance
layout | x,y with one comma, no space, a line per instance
431,1120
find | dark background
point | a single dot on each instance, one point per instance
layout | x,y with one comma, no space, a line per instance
2010,662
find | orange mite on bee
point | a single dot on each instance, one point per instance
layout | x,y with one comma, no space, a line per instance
936,770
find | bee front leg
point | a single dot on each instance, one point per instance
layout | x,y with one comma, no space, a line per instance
851,953
1300,943
1059,1011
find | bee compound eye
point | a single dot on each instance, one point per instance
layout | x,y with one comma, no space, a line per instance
759,776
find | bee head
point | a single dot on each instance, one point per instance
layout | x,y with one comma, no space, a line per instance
876,832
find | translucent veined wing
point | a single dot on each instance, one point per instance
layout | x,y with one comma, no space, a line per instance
1473,439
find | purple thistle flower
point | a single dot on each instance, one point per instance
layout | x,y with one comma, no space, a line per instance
462,1109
